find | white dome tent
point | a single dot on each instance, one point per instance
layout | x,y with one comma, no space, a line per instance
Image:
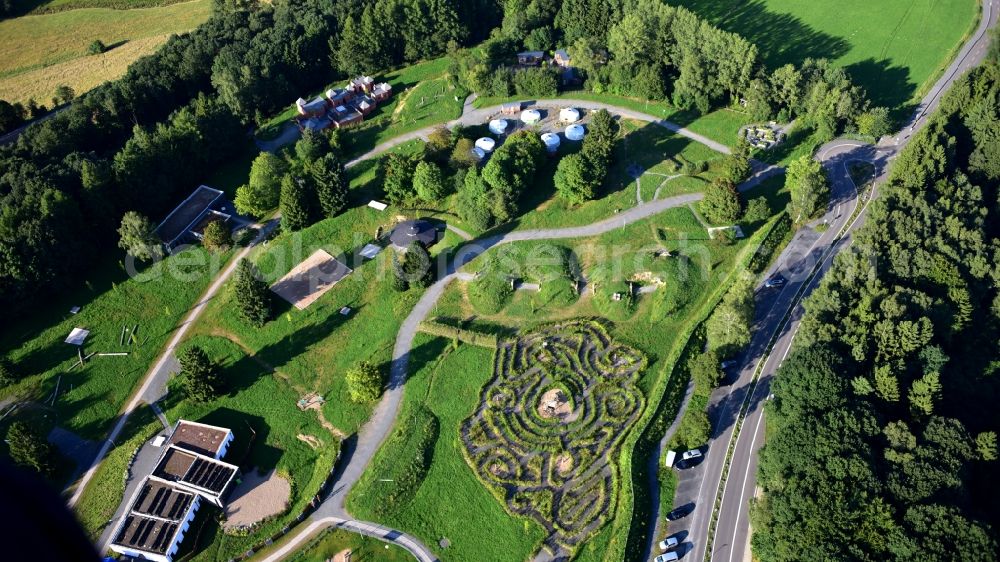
551,141
575,132
478,153
529,116
486,144
498,126
569,115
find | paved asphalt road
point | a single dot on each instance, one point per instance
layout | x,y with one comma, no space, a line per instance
700,485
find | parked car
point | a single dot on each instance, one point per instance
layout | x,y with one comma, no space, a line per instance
668,557
668,543
680,512
776,281
728,363
692,454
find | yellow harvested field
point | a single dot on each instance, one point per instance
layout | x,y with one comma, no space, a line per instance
37,53
81,74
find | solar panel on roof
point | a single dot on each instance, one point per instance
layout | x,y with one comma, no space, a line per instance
124,529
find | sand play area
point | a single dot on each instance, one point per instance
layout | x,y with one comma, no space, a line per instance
256,498
309,280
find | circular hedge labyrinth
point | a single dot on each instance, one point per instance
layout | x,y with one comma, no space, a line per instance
549,422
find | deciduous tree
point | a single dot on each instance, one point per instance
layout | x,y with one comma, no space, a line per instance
364,382
137,236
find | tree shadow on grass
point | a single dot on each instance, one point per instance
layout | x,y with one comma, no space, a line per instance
886,86
781,38
249,448
283,352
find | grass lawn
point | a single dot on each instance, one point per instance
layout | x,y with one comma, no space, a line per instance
92,396
656,150
313,348
40,52
895,49
331,542
260,408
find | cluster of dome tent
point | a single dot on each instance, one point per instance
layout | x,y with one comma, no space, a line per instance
499,127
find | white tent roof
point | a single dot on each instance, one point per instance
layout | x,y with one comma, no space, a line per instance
486,144
479,153
498,126
569,114
531,116
551,141
575,132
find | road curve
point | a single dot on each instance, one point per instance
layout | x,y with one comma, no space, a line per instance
472,116
731,540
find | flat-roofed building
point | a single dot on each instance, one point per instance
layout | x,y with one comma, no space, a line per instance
161,509
183,224
198,473
201,438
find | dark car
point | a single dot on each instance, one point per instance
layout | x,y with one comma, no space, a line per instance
774,282
680,512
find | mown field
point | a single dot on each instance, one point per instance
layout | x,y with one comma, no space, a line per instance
895,49
40,52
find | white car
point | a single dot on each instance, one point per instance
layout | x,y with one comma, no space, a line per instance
692,454
668,543
727,364
668,557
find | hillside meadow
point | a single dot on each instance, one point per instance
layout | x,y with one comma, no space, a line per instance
40,52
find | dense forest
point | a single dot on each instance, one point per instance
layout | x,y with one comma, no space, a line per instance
882,433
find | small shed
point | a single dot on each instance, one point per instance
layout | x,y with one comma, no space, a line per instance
562,58
418,230
530,57
511,108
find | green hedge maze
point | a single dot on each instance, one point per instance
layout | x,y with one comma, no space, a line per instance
549,423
